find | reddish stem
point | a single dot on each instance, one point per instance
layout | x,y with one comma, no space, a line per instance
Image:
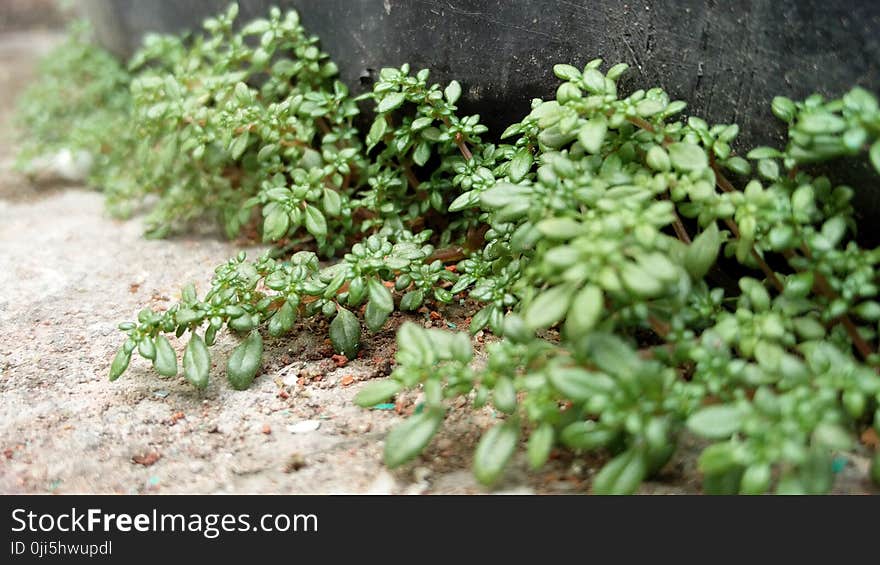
462,146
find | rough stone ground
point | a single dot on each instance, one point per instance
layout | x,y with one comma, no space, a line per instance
69,274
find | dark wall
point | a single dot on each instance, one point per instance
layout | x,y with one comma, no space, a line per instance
727,59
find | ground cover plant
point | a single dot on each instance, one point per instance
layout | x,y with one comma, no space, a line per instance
642,277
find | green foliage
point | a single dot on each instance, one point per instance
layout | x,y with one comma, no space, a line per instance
779,371
637,291
81,103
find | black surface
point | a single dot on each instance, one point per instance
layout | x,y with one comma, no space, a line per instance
727,59
462,529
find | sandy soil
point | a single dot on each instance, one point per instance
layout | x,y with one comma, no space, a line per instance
69,274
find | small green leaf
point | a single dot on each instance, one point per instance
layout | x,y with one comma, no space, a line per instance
414,346
585,311
832,437
592,134
816,475
540,444
188,294
119,364
238,145
380,295
560,228
480,319
377,392
566,72
375,316
422,153
764,153
783,108
587,435
738,165
756,479
702,252
769,169
196,361
494,451
412,300
874,154
854,138
245,361
640,282
332,202
504,395
716,422
390,102
275,225
464,200
548,307
186,316
612,354
519,165
282,320
594,81
674,107
165,362
315,222
617,71
377,131
244,323
147,348
718,458
504,194
724,482
658,159
579,384
820,122
621,475
649,107
452,92
687,156
345,333
406,440
421,123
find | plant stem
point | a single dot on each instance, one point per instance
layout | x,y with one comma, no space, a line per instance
859,342
410,176
727,186
680,230
660,327
824,288
462,146
446,255
322,123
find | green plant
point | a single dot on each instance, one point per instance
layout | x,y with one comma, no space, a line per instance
92,116
778,371
640,278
